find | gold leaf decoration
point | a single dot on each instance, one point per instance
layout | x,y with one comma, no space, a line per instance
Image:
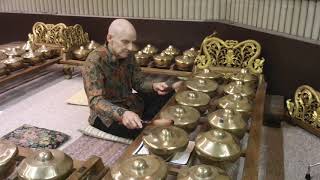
230,53
59,35
305,106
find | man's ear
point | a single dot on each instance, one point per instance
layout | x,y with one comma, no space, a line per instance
109,37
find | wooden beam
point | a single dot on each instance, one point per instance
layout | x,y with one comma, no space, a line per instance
274,153
251,165
29,70
149,70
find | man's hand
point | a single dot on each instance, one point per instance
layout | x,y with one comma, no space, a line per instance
131,120
161,88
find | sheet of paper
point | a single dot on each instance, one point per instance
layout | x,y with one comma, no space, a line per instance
178,158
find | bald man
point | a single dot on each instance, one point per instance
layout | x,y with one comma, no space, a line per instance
109,75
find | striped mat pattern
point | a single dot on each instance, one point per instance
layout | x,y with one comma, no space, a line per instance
86,146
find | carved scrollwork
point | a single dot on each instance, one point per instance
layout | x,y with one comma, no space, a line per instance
230,53
305,106
58,34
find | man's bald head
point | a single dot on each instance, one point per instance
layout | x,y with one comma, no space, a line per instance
120,27
121,37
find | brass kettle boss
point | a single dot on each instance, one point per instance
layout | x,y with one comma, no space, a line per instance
46,165
238,87
81,53
207,74
3,69
150,50
198,100
8,151
184,62
192,53
228,120
202,172
217,147
15,51
47,52
166,141
14,63
207,86
140,167
32,57
184,117
171,51
162,60
235,102
142,59
92,45
244,76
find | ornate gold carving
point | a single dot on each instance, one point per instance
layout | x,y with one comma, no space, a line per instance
58,34
305,106
230,53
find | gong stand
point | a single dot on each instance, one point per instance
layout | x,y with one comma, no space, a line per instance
251,154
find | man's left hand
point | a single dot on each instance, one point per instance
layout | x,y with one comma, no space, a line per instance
161,88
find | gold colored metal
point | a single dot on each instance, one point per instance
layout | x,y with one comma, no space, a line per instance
183,116
140,167
228,120
236,102
8,151
305,106
162,60
81,53
217,145
202,85
92,45
230,53
184,62
192,98
244,76
142,59
14,63
46,52
3,56
59,35
14,51
32,57
150,50
202,172
46,165
3,69
28,46
171,51
166,141
207,74
192,53
237,87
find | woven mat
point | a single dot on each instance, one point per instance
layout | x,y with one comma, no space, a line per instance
86,146
34,137
80,99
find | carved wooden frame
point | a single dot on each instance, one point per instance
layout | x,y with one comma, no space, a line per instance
304,109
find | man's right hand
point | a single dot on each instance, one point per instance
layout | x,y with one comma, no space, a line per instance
131,120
